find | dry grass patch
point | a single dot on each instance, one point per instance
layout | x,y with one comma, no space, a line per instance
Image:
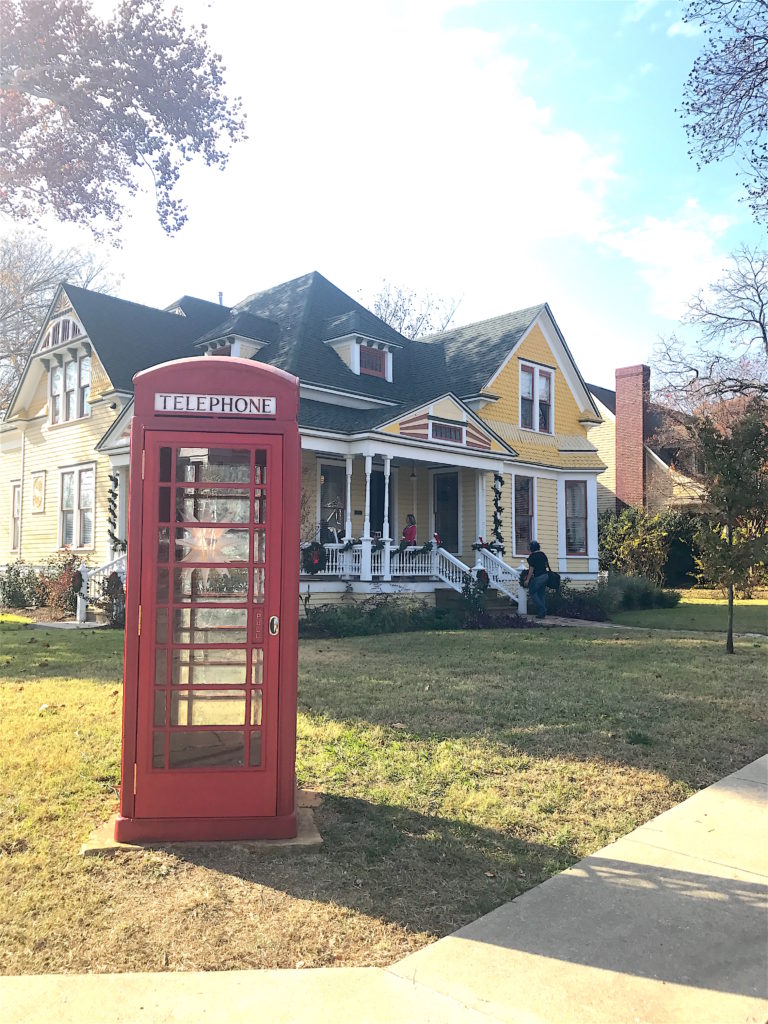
457,769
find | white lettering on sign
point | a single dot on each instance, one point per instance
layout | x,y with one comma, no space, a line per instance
220,405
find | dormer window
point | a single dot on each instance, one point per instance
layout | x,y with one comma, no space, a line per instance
373,361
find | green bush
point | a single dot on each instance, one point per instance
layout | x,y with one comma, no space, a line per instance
383,613
21,587
616,593
587,603
660,546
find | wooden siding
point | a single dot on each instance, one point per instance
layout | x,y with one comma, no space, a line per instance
531,446
546,516
603,438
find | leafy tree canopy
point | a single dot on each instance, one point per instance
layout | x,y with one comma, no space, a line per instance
725,101
86,104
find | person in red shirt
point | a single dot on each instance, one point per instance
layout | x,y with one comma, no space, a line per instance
409,531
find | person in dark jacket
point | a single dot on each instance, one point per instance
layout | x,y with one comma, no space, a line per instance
538,575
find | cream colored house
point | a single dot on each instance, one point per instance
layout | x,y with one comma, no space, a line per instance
389,427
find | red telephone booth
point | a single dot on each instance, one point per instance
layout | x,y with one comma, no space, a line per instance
211,642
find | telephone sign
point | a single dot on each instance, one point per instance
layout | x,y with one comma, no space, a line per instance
209,712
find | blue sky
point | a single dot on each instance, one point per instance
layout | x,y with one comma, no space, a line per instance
497,153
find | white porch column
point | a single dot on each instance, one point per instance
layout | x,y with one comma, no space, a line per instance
522,593
592,549
562,563
365,560
385,528
348,520
480,513
414,496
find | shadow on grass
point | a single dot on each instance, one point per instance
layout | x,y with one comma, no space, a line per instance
424,873
30,653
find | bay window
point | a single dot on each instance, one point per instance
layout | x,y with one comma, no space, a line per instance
76,508
575,517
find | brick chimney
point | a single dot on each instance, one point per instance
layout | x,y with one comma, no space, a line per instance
633,391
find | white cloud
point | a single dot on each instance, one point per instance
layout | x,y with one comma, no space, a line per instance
646,69
675,256
382,144
638,10
684,28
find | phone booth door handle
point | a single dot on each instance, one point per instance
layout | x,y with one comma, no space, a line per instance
274,625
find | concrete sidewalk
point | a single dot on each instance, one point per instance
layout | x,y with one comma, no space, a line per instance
666,925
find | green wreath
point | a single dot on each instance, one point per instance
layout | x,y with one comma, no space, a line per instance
314,558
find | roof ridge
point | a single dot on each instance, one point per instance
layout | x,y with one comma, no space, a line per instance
116,298
480,323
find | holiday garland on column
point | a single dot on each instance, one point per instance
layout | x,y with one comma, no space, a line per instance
498,538
117,544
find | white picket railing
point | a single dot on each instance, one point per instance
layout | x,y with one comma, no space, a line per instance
94,578
503,577
450,569
412,561
415,563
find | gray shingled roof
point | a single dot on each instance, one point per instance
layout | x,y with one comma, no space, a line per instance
475,352
296,320
244,325
604,395
310,310
129,337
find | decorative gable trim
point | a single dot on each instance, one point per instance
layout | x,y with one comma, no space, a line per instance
419,424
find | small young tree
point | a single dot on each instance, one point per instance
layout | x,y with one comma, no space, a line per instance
733,538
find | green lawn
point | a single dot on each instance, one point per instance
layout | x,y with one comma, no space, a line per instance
701,612
458,770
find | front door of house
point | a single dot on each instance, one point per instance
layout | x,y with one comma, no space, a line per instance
208,644
445,502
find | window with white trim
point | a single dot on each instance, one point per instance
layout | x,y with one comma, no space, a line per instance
523,514
453,433
536,399
76,508
15,515
70,389
575,517
373,361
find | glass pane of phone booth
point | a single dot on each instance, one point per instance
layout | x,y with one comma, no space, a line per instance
209,619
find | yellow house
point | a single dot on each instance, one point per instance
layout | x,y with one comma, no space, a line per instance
450,428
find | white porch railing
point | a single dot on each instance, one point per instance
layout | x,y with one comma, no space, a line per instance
93,580
414,563
503,577
450,569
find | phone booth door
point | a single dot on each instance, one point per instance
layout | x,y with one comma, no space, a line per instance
210,614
